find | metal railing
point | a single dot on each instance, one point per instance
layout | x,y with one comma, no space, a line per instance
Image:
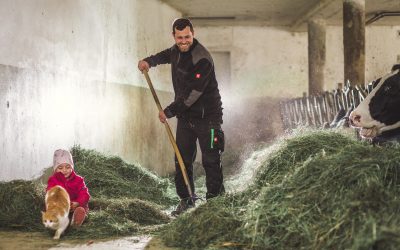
321,110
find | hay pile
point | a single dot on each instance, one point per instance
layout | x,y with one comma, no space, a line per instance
21,203
320,190
110,176
125,198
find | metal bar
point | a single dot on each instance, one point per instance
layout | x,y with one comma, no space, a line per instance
380,15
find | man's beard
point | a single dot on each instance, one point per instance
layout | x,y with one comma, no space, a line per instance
184,48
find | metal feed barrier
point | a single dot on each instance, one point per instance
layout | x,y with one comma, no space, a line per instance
320,110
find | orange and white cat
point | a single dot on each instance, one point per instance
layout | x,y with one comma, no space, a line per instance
57,210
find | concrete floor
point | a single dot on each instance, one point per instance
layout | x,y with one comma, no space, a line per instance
38,241
135,243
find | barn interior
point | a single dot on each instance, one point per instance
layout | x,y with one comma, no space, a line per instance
69,78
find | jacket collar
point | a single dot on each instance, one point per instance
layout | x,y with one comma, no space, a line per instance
195,42
59,176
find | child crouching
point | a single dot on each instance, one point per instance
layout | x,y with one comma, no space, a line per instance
65,176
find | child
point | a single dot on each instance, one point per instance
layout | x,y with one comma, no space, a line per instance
65,176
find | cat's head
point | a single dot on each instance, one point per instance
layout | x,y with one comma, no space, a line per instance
50,220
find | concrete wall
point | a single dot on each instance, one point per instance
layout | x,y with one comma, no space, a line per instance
381,51
264,60
68,76
267,61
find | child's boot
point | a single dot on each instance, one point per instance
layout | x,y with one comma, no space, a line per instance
78,217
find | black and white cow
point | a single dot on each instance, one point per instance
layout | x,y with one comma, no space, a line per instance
378,115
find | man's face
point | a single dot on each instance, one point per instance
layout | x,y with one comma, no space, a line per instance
183,39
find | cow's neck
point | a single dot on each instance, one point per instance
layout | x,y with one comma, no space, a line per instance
386,136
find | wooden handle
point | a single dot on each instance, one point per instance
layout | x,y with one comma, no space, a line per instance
170,136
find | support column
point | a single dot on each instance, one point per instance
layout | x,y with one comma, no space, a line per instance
316,55
354,41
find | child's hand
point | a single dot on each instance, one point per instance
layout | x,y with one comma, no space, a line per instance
74,205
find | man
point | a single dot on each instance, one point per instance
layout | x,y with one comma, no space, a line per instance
197,106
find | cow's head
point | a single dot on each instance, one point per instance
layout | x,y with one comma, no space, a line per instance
380,110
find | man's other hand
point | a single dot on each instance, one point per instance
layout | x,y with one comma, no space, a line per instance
162,117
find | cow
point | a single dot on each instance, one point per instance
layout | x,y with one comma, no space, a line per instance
378,115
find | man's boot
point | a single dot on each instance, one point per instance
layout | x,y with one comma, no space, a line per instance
183,205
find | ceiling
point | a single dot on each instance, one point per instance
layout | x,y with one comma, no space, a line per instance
290,14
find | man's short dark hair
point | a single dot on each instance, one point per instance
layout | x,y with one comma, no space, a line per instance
181,24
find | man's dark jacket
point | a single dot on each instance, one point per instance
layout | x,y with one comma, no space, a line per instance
193,76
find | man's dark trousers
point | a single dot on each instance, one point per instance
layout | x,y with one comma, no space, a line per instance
211,140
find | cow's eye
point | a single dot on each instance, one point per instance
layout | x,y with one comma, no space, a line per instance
387,88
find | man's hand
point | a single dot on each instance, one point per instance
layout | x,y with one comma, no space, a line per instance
74,205
143,65
162,117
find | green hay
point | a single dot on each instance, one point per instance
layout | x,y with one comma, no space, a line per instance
110,176
196,229
119,217
139,211
295,151
21,203
321,190
331,201
103,224
126,199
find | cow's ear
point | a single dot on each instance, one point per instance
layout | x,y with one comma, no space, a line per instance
396,67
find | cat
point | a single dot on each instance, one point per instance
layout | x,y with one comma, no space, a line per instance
57,210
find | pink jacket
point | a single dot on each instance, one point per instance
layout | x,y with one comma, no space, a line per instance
75,186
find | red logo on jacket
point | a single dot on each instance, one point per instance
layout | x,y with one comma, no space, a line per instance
198,76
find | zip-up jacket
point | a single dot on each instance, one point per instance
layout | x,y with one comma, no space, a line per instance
195,85
74,185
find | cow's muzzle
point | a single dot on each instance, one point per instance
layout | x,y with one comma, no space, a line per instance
355,119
